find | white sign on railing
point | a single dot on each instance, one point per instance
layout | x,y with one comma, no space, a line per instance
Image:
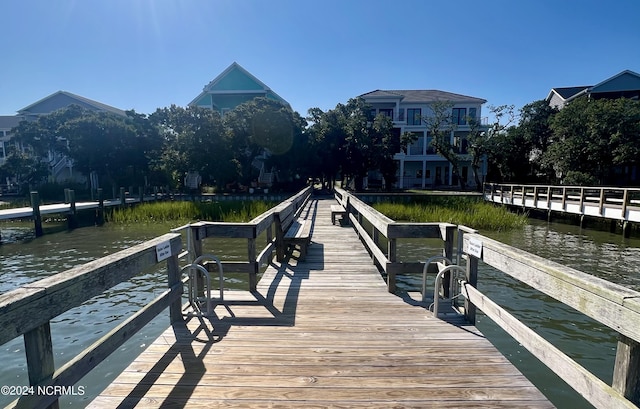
163,250
475,248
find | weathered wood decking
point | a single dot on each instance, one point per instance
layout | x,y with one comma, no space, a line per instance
321,333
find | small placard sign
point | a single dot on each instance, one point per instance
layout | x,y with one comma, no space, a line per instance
475,248
163,250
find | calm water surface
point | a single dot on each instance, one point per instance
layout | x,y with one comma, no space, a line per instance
24,259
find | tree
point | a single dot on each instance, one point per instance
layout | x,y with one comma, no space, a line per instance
195,139
117,148
440,126
535,128
480,138
327,140
593,137
258,129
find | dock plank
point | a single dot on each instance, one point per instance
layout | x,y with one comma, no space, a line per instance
316,334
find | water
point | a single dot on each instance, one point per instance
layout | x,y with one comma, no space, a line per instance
26,259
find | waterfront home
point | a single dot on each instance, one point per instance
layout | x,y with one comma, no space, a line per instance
419,165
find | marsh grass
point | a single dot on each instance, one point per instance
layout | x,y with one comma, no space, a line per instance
231,211
470,212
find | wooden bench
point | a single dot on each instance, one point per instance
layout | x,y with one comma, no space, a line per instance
295,229
337,210
341,208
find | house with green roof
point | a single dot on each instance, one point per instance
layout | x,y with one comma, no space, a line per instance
231,88
419,165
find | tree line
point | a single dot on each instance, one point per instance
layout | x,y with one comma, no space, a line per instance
587,142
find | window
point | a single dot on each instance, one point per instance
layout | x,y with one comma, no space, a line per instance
459,116
473,114
414,116
430,149
416,147
388,112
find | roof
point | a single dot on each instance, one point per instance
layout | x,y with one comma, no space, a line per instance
7,122
568,92
210,87
626,80
42,107
421,96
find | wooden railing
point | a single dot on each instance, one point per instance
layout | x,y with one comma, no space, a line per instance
265,223
615,306
359,212
620,204
28,311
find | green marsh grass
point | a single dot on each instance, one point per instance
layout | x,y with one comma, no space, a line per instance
228,211
470,212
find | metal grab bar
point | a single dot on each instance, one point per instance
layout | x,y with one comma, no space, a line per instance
436,297
424,273
192,269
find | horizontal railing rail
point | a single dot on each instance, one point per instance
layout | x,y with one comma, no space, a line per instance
197,232
610,304
27,311
359,212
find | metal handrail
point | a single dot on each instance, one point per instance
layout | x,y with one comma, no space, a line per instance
436,297
424,273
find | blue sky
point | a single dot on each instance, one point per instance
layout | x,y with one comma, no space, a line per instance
146,54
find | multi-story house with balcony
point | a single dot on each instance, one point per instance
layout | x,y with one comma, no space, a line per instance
60,166
419,165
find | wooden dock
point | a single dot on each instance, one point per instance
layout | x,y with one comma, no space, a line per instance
321,333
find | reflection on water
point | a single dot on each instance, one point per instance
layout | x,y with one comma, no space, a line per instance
602,254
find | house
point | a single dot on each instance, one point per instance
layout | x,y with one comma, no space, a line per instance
61,167
232,87
419,165
625,84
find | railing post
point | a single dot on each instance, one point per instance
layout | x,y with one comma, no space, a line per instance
196,250
37,219
601,204
39,351
564,199
392,257
471,279
173,278
253,275
280,248
626,372
625,200
446,233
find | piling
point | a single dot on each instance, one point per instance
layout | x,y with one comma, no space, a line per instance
37,219
100,209
72,218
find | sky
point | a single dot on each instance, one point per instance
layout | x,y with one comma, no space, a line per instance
149,54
